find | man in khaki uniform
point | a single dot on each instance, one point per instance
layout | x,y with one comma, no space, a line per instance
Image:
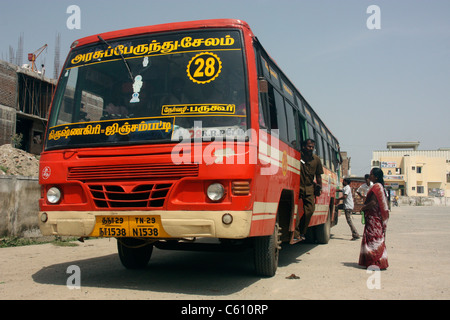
310,168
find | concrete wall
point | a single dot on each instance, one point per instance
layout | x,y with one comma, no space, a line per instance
19,206
8,84
8,97
425,201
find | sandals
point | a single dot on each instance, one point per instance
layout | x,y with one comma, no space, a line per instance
298,236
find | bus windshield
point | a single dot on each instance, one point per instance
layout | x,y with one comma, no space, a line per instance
151,89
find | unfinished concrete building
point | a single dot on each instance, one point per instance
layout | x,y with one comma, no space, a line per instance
25,98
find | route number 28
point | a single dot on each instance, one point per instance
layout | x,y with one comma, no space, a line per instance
204,67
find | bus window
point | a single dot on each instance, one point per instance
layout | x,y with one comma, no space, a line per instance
261,115
307,112
104,100
337,159
263,74
277,114
333,164
326,154
330,159
300,128
319,146
301,106
311,132
272,110
291,127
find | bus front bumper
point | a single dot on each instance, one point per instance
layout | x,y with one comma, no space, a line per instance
170,224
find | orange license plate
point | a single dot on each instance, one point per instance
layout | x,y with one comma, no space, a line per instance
129,226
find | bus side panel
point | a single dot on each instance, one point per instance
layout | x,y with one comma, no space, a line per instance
278,169
329,185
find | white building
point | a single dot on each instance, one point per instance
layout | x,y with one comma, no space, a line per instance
412,172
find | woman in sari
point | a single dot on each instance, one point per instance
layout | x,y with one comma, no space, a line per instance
376,213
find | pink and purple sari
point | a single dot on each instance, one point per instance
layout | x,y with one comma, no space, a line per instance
373,247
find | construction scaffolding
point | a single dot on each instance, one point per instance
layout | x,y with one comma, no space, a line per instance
34,94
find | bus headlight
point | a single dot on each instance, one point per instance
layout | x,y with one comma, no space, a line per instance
215,192
53,195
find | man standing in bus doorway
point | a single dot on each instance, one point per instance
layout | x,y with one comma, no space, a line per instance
348,206
310,168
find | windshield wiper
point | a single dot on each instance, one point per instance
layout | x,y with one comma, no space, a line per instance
121,55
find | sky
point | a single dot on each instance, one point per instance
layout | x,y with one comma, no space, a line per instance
369,85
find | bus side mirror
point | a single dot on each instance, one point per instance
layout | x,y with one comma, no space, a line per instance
263,86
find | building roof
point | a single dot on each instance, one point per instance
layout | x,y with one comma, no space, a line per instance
403,145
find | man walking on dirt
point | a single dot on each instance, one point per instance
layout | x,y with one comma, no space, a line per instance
310,168
348,206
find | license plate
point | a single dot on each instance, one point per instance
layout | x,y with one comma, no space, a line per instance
129,226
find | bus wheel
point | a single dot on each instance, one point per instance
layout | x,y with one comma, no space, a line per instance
323,232
266,253
134,253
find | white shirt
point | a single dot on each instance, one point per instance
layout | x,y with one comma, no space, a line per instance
348,202
364,188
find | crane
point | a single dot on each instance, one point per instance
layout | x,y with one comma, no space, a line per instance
33,56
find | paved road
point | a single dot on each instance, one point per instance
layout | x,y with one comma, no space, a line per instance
418,249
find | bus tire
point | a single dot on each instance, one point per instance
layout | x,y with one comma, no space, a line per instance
134,253
266,253
323,232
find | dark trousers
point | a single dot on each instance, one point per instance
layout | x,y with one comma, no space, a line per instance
309,205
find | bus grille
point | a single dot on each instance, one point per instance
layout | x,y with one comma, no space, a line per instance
134,171
140,196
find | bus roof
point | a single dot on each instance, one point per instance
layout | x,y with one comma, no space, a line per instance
199,24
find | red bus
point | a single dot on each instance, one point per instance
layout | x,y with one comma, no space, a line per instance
172,134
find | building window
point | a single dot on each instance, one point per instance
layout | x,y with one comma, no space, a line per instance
420,189
419,169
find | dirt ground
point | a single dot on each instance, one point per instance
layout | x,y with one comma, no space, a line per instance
417,242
